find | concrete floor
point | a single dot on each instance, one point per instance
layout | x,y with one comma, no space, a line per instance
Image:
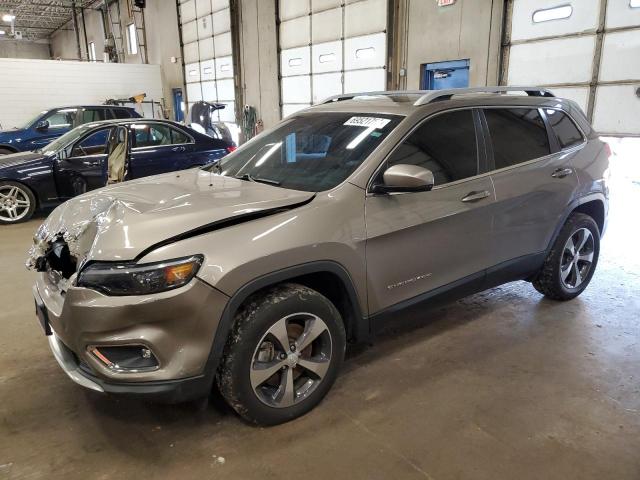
504,384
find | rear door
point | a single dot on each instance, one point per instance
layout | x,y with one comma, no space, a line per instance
158,148
533,178
420,241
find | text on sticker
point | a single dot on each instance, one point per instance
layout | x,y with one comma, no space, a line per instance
368,122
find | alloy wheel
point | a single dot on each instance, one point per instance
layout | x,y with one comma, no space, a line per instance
291,360
14,203
577,258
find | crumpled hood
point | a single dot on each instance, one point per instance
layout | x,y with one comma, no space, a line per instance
121,222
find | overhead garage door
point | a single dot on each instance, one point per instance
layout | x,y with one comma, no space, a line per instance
329,47
206,35
586,50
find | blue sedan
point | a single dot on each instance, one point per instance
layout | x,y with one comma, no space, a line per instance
94,154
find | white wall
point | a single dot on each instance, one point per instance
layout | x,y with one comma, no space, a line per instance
30,86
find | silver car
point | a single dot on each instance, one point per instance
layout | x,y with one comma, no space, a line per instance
255,272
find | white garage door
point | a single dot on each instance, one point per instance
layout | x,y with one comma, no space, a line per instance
329,47
208,59
586,50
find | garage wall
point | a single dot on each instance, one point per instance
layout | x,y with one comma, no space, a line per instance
208,53
427,33
591,54
30,86
24,49
329,47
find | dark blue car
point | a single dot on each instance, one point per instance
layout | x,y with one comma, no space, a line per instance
84,158
51,124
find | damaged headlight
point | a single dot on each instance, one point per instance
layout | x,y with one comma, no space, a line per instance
139,279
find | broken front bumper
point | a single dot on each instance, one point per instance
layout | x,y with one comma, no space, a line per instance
178,326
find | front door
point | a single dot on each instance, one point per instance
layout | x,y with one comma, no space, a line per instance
417,242
81,166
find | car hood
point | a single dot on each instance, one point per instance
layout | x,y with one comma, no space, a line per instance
125,221
22,158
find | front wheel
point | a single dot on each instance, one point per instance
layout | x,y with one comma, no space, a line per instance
570,264
283,354
17,202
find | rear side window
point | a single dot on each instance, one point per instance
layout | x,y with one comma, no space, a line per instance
518,135
178,137
121,113
444,144
566,131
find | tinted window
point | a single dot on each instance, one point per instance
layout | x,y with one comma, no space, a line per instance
151,135
87,115
312,152
566,131
94,144
62,118
445,144
178,137
121,113
518,135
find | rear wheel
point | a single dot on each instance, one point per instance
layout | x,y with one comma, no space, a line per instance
17,202
572,260
283,355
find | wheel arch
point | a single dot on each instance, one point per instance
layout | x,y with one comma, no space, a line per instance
327,277
10,148
594,205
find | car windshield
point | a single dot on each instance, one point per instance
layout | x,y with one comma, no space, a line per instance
311,152
66,139
33,120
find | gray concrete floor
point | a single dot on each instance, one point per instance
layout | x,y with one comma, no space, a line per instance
504,384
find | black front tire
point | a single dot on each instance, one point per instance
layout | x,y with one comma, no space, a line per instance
260,313
548,281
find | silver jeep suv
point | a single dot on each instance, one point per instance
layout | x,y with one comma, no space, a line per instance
255,272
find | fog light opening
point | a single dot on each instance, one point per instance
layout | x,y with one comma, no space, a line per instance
125,358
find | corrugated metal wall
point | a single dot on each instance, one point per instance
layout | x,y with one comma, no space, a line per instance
329,47
591,55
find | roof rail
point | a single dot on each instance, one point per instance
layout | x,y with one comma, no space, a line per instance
434,95
349,96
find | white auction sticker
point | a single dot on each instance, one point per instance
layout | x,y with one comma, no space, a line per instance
368,122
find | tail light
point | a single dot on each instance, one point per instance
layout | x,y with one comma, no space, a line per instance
232,148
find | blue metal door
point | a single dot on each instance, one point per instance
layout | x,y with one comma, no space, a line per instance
177,104
441,75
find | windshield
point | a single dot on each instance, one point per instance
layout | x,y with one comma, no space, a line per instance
313,152
66,139
33,120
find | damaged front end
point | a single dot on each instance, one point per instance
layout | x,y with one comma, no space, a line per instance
64,242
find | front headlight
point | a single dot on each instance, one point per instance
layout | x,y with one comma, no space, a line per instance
139,279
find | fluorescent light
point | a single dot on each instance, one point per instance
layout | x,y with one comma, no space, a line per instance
8,18
634,3
555,13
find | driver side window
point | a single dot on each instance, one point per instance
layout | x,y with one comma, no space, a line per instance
444,144
61,119
93,144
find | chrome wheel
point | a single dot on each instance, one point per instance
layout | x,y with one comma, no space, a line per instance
577,258
14,203
291,360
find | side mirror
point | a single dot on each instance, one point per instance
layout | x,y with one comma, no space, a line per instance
42,125
405,178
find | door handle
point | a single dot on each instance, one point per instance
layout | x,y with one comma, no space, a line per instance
178,149
475,196
561,172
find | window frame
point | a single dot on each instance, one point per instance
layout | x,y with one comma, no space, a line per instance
71,146
169,126
481,149
554,145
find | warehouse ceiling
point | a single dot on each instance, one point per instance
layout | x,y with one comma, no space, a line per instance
38,19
